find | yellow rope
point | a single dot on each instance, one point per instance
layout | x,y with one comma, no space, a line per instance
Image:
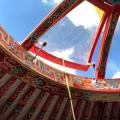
68,89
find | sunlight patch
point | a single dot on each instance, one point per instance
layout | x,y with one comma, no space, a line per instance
51,2
58,1
84,15
65,54
45,1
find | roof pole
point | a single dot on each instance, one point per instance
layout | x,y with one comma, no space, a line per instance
69,92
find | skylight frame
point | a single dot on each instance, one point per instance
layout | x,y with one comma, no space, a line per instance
31,39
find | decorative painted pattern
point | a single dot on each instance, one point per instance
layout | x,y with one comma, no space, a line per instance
21,104
45,107
12,98
48,77
86,111
5,107
56,109
5,87
77,108
107,37
34,106
112,1
101,109
17,91
66,110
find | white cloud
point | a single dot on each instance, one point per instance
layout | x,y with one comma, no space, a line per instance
84,56
65,54
61,54
51,2
45,1
58,1
116,75
84,15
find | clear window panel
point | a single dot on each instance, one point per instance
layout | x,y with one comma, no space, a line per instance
71,37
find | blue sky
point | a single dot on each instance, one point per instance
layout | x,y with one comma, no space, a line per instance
20,17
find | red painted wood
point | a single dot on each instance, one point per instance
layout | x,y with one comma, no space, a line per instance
106,42
97,35
37,32
59,61
101,4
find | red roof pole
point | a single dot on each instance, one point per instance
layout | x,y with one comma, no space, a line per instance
58,13
106,42
96,37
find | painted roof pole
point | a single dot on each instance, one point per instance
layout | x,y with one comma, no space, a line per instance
56,15
43,45
106,42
